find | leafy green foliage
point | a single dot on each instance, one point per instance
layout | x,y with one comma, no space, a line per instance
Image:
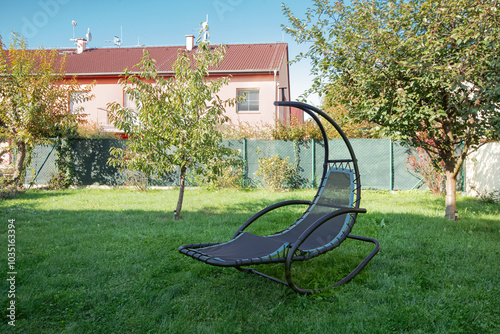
308,129
420,69
65,174
419,161
175,120
276,172
230,177
33,102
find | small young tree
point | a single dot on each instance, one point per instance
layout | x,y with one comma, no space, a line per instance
176,119
412,66
34,103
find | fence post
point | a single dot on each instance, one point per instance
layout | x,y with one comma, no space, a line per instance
391,169
313,181
464,171
245,161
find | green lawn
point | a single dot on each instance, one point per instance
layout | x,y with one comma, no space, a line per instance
106,261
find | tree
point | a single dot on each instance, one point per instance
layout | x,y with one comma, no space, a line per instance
426,71
175,120
34,102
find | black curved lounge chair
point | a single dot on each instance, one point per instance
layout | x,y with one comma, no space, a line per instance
326,222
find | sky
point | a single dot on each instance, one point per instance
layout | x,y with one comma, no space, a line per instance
48,24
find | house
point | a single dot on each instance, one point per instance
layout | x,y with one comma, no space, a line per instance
259,70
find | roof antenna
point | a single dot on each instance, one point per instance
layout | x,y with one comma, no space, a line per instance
74,24
204,30
117,41
81,43
88,35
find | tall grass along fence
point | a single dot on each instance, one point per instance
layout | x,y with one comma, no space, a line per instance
382,162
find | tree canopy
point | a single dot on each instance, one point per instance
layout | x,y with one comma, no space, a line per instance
426,71
34,100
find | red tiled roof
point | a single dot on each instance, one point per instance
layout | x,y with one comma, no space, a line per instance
112,61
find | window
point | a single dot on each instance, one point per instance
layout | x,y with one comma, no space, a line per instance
251,102
75,103
129,102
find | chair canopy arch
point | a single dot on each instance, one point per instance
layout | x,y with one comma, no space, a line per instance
351,163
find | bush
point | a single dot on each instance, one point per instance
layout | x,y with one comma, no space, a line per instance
231,177
296,130
420,162
135,178
91,130
489,197
10,189
276,172
64,176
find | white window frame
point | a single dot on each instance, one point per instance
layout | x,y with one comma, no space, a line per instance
250,105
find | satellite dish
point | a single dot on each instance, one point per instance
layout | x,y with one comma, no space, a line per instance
117,40
73,23
89,35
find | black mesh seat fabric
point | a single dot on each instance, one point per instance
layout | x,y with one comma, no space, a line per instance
323,226
246,247
336,193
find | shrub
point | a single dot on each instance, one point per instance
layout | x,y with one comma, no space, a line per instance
135,178
8,188
275,171
231,178
492,197
64,176
420,162
91,130
247,130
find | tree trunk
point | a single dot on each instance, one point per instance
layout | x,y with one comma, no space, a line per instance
20,158
451,202
181,194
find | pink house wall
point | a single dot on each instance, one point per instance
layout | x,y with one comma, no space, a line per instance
108,90
267,96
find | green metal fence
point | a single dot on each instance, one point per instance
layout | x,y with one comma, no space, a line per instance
382,162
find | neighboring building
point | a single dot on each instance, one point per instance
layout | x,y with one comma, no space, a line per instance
482,172
259,70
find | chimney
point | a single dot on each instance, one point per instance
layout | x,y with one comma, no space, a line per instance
81,44
189,42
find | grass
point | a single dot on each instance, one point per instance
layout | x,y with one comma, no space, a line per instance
106,261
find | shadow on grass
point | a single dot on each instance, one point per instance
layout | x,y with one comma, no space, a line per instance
34,195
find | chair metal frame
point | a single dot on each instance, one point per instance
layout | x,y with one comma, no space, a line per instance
294,253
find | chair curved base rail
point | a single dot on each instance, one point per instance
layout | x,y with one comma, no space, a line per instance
288,272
